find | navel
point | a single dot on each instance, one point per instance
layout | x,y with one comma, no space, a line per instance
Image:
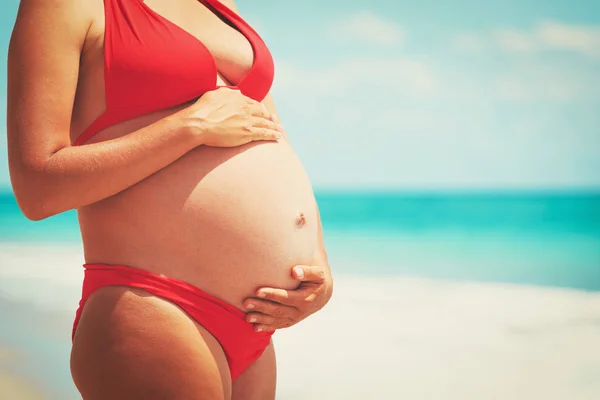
300,220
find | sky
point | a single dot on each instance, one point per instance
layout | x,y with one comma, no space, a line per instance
424,94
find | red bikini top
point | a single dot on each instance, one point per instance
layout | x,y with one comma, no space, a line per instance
151,64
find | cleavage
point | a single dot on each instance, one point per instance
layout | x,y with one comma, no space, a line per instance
230,49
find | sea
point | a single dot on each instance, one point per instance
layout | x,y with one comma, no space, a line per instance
439,295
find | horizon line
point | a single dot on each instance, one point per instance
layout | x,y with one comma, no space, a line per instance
498,190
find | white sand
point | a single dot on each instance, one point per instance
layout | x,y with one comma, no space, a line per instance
413,339
15,388
398,338
12,386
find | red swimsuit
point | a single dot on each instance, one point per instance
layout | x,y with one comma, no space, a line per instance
151,64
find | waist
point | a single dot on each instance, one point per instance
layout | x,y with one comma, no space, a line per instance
224,220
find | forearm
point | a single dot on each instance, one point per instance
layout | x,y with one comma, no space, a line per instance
76,176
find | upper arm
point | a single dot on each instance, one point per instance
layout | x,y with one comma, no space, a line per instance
43,68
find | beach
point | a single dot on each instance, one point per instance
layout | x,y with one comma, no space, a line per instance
423,339
13,386
440,298
380,337
453,149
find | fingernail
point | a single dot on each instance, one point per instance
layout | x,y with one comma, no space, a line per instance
299,272
252,319
262,294
259,329
279,126
250,306
278,135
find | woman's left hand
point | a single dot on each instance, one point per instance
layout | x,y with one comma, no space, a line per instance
279,308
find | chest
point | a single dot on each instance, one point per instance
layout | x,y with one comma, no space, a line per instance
229,48
189,30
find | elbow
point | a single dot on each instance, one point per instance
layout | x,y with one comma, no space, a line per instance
32,208
35,215
38,204
34,189
32,200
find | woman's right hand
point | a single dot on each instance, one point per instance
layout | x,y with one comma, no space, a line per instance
226,118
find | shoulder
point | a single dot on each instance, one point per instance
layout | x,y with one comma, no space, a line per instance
43,17
75,10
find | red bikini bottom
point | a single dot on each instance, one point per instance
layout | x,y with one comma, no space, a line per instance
241,344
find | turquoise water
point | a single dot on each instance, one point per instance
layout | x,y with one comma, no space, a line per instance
542,239
550,239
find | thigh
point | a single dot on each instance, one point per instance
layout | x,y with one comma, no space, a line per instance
258,381
132,345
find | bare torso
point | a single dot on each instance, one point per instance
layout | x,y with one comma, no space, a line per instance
226,220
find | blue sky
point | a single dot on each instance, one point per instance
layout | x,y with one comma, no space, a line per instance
429,94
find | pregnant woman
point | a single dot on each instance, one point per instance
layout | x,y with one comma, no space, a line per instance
200,229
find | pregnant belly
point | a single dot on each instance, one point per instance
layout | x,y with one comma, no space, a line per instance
224,220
